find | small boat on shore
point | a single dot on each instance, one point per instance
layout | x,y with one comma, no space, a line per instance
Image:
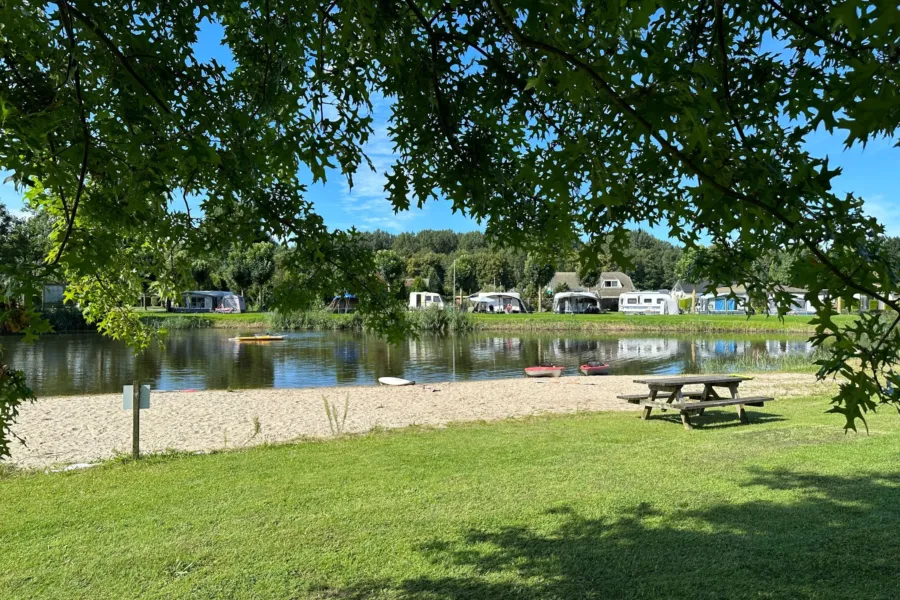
395,381
257,338
544,371
594,367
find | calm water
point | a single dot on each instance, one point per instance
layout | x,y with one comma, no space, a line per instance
90,363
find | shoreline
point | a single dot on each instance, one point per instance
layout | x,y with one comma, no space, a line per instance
534,322
89,428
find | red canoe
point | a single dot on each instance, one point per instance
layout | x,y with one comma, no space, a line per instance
545,371
594,368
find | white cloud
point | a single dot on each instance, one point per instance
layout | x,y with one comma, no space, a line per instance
366,203
886,211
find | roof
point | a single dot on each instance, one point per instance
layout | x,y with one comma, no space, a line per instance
570,278
488,295
561,295
690,288
213,293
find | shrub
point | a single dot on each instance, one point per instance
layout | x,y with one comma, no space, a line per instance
319,320
67,318
172,323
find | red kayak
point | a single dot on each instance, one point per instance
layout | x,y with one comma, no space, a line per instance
544,371
594,368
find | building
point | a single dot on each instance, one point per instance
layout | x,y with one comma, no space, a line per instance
610,286
684,289
53,294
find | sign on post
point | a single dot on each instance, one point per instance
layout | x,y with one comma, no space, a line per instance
135,395
128,397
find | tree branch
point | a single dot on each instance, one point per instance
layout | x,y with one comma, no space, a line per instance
438,95
101,35
675,152
86,134
814,32
720,27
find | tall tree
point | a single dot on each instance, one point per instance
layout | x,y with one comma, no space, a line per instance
390,267
537,274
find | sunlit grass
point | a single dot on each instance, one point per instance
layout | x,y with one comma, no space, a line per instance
583,506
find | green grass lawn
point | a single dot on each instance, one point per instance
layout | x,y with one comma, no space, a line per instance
673,323
584,506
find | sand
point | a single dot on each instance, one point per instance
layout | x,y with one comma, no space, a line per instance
85,429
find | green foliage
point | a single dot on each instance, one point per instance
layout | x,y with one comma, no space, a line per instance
178,322
315,320
441,320
418,285
13,392
464,270
538,272
67,318
390,268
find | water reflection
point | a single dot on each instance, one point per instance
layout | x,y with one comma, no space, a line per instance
89,363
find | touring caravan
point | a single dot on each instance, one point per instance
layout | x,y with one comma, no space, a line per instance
648,303
420,300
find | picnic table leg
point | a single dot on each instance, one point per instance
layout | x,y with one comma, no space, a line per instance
647,407
676,394
742,414
704,397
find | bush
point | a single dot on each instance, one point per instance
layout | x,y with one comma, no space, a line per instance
685,304
318,320
172,323
441,320
65,319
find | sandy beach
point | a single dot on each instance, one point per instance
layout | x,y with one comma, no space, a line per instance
84,429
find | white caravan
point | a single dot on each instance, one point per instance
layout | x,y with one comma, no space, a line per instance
648,303
420,300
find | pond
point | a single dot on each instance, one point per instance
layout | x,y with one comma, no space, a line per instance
88,363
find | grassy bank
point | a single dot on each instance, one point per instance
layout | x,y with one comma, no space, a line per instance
583,506
657,323
424,321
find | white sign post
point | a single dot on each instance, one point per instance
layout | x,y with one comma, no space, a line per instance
134,398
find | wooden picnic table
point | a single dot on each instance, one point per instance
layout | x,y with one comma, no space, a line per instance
667,393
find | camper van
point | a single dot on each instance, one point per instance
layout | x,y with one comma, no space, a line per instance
648,303
420,300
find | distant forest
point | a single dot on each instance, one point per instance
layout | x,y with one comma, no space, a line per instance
425,259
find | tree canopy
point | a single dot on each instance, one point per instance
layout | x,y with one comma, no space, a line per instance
550,120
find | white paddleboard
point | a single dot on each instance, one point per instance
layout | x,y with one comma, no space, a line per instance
394,381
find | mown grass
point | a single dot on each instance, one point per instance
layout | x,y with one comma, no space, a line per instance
582,506
687,323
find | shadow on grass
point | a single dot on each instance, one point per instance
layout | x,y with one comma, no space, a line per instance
837,540
717,418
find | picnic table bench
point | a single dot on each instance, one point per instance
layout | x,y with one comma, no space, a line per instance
668,393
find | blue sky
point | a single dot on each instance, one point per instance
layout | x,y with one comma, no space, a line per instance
869,172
